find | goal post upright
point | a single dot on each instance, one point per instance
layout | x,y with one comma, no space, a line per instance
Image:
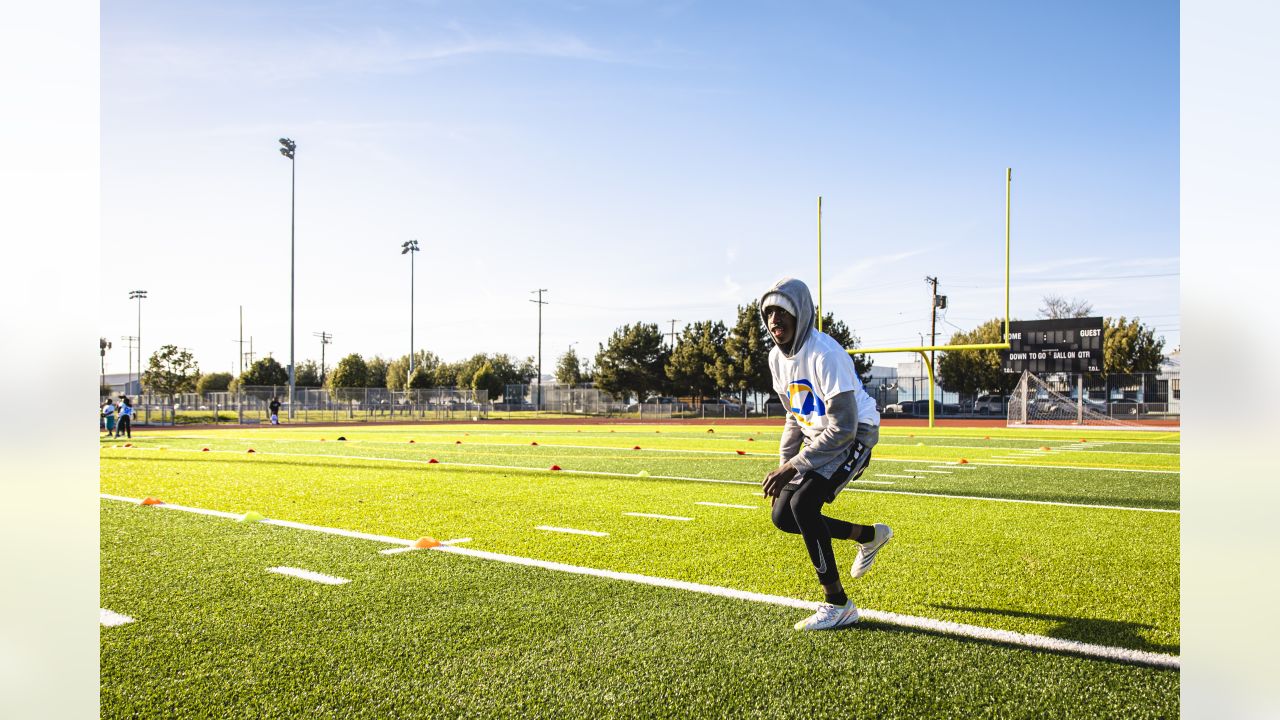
1008,185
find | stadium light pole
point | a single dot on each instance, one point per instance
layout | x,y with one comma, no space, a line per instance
139,295
103,346
411,248
288,151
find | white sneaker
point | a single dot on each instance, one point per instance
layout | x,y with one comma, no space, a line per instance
830,617
867,551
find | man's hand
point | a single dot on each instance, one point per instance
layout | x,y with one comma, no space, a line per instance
776,480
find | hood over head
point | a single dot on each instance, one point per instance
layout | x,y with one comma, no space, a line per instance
795,294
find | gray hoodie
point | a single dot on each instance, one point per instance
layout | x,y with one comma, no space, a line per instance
827,451
796,294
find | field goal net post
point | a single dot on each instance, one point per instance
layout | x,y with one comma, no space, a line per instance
1037,402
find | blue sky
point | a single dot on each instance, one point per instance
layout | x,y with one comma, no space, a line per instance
642,162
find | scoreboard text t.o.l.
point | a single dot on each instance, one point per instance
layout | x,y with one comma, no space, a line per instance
1053,346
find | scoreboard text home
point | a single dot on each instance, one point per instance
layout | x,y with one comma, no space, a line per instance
1071,345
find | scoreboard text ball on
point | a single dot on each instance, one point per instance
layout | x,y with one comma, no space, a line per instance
1066,345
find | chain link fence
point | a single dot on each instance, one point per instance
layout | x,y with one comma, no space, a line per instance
1132,396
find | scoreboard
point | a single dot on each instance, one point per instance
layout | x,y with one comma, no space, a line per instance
1071,345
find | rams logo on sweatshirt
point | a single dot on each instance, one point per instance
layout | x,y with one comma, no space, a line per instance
806,406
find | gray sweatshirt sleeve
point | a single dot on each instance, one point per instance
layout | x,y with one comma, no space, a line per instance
842,427
792,436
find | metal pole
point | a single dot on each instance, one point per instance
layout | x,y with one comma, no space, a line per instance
410,320
819,263
139,347
293,192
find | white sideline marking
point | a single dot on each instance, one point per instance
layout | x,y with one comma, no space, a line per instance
944,627
1016,500
366,536
727,505
592,533
308,575
1046,467
935,472
111,619
332,456
877,482
907,477
397,550
657,517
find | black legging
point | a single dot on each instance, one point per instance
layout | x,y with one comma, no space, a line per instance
798,509
124,426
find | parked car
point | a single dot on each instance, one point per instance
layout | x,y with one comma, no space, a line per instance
720,405
677,406
989,404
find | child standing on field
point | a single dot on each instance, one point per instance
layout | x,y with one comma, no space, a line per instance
108,416
125,426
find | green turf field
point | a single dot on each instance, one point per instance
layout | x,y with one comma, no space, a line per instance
1035,533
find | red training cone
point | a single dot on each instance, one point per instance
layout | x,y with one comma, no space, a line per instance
151,501
555,467
251,450
432,461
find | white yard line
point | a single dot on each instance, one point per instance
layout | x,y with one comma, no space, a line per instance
904,477
934,472
944,627
331,456
657,517
108,618
308,575
727,505
572,531
875,482
954,467
944,496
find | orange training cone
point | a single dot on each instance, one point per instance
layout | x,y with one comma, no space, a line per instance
963,461
427,542
1045,448
534,444
151,501
252,450
751,439
636,447
742,452
711,430
555,467
432,461
204,449
128,444
457,442
413,441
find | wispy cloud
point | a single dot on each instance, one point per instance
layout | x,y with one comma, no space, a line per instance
376,52
851,276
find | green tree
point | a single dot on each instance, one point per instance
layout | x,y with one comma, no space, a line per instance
1128,346
423,378
975,371
350,373
214,382
171,370
377,366
307,374
632,363
486,379
398,370
744,364
691,366
446,375
527,372
843,335
569,368
265,372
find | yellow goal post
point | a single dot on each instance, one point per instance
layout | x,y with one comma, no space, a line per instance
1008,182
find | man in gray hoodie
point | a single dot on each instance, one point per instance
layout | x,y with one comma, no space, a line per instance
826,443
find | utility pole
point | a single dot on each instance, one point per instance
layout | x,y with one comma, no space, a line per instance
250,353
241,341
325,339
933,319
538,405
130,339
672,334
